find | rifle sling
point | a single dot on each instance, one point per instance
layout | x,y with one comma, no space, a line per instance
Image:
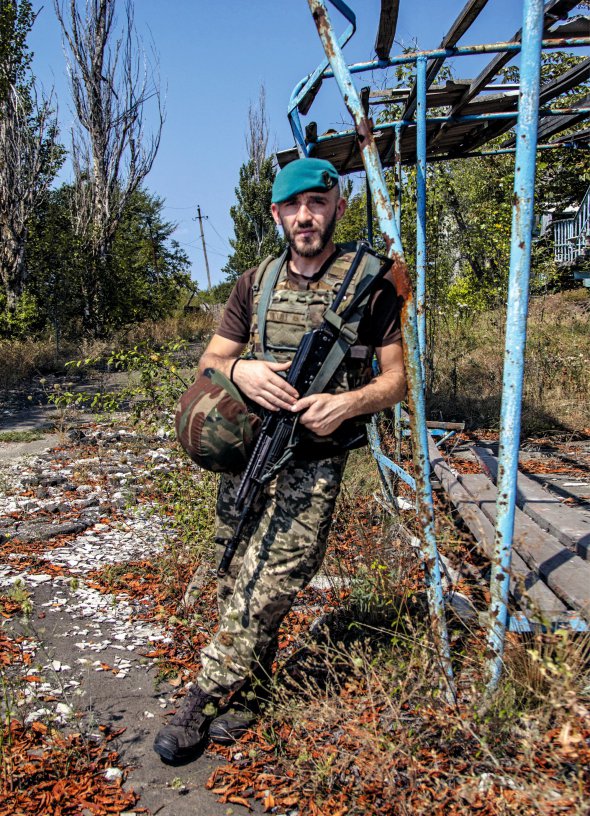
346,325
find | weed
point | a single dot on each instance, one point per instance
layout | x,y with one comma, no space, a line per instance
20,436
21,597
152,389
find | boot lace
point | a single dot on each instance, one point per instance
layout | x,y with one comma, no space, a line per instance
194,705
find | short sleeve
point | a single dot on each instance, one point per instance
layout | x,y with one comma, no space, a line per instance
237,315
380,325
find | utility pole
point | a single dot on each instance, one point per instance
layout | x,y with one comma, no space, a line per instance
200,220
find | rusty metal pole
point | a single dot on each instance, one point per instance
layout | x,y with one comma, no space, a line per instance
421,207
516,315
397,209
388,226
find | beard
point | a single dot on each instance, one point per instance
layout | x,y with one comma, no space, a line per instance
310,246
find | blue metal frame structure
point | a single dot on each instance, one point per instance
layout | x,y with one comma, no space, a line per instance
529,41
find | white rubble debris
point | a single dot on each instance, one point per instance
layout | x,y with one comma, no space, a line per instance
100,490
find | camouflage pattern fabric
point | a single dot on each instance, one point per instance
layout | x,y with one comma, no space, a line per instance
278,556
214,425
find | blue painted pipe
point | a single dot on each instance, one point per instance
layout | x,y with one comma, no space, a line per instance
436,53
421,207
518,286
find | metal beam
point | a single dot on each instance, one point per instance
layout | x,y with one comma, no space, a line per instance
388,226
387,27
515,340
561,84
553,10
464,20
550,126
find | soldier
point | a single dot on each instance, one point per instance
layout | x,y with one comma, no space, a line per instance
286,540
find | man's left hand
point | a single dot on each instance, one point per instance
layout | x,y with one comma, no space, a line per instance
323,413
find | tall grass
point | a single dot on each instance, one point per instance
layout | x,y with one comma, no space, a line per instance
22,359
467,361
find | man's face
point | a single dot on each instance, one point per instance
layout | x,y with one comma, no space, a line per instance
309,219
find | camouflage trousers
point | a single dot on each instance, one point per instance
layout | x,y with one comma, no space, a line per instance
278,555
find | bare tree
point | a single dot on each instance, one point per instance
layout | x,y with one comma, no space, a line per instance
112,83
29,156
257,133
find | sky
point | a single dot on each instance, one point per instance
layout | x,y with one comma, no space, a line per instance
213,59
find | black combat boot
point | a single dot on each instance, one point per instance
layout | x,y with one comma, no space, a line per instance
247,704
239,718
181,738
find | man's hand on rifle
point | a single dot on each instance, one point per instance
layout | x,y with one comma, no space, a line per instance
259,381
323,413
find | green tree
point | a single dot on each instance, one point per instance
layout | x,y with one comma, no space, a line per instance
149,271
16,20
56,263
255,232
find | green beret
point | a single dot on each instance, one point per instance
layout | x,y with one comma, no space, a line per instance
301,175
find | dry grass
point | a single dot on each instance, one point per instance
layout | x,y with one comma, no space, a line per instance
22,359
382,740
359,722
468,361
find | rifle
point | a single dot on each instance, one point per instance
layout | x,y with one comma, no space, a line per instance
278,432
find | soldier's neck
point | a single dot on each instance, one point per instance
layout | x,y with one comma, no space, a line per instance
308,267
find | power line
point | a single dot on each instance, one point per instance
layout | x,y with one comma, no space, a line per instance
225,241
209,250
168,207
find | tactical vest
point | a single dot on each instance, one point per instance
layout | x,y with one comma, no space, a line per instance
290,314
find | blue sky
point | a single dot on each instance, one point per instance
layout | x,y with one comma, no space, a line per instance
214,56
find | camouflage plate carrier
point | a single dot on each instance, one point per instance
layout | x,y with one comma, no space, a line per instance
282,314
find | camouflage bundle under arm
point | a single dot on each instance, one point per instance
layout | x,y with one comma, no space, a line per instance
214,424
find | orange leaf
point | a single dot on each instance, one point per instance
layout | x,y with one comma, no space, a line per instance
289,800
239,800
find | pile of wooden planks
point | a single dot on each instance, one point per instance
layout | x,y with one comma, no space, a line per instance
550,573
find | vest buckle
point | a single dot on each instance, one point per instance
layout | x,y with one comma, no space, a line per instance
349,334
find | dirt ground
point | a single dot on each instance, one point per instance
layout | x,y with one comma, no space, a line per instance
73,631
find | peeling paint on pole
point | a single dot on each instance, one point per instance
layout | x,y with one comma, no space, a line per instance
518,285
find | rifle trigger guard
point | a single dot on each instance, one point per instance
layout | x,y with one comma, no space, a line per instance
286,457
